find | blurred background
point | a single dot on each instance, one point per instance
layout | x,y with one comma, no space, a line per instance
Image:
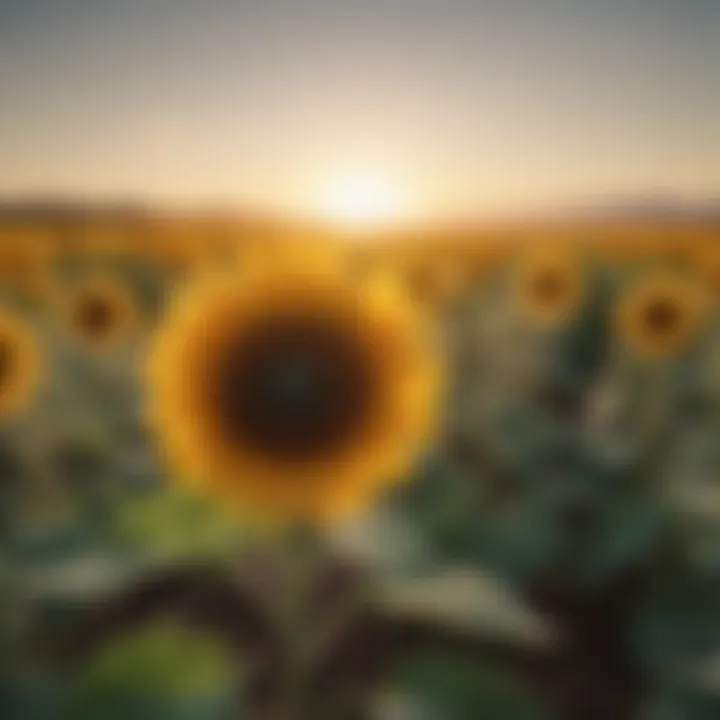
542,177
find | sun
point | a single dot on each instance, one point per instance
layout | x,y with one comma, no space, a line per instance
361,199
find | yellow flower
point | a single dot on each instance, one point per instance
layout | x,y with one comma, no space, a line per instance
636,243
25,260
20,363
176,252
436,280
101,312
549,284
662,314
288,390
706,263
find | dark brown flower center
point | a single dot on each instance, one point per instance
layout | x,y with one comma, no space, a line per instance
549,286
96,316
662,316
294,388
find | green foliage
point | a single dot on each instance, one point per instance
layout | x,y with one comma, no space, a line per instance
157,672
173,524
563,455
449,690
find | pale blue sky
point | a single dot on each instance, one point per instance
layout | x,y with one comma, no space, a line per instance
463,106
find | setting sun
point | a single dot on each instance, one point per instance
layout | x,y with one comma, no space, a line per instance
360,199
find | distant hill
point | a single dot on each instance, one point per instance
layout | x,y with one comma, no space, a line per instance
653,208
639,208
52,209
59,208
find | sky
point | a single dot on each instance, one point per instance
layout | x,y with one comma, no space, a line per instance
428,108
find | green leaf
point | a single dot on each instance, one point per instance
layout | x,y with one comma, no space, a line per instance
154,673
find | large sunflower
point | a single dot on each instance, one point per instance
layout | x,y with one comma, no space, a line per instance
662,314
291,391
548,284
20,362
101,312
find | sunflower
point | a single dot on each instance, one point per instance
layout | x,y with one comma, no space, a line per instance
706,262
549,287
177,252
25,260
435,281
623,244
101,312
291,391
662,314
19,364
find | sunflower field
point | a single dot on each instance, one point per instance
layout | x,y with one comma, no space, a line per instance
252,475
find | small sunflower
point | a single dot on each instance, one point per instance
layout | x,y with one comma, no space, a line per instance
706,262
20,362
24,253
661,315
101,312
549,286
632,244
25,259
178,252
290,390
435,281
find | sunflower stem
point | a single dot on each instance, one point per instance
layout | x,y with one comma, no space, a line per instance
304,560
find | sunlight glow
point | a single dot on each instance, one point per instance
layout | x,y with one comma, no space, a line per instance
360,199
